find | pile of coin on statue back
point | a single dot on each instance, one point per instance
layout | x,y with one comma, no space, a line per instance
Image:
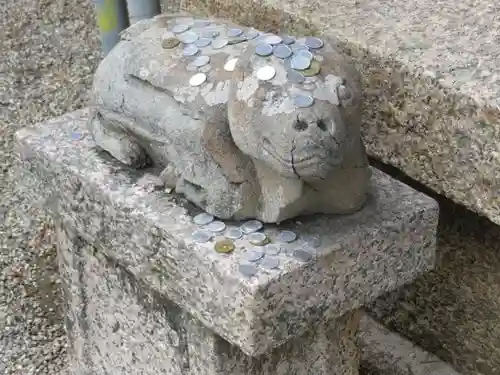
262,254
298,56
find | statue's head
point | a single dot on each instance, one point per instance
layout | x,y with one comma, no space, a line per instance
301,129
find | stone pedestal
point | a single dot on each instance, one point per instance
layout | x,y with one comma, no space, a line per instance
144,298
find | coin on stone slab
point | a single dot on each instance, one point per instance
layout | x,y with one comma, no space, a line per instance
257,239
170,43
313,69
224,246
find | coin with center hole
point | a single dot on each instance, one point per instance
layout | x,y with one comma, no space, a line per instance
216,226
282,51
201,236
234,32
170,43
257,239
247,270
251,226
300,62
266,73
288,39
219,43
197,79
287,236
295,77
203,42
272,249
203,218
313,42
233,234
302,255
177,29
303,101
263,49
224,246
201,60
270,263
313,69
230,65
190,50
273,39
254,255
188,37
251,34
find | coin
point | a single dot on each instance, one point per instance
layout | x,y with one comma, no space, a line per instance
313,42
190,50
254,255
201,236
281,51
233,41
203,218
263,49
306,53
76,135
251,226
295,76
197,79
177,29
272,249
216,226
273,39
288,39
224,246
270,263
234,32
188,37
299,47
230,65
247,270
251,34
203,42
303,101
201,23
219,43
201,60
302,255
300,62
287,236
170,43
257,238
266,73
234,233
314,69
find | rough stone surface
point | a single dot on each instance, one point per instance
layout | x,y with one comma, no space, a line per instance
235,145
386,244
430,80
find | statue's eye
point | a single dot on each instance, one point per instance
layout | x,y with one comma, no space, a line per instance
321,124
300,125
344,92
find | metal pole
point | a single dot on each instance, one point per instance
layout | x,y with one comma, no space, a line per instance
111,20
139,10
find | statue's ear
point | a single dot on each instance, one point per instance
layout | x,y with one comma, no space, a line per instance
218,142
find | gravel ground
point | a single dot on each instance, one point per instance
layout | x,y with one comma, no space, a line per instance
48,52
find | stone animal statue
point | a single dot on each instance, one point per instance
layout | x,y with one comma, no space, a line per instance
244,124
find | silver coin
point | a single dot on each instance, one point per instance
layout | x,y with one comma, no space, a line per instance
203,218
266,73
302,255
295,76
251,226
281,51
272,249
188,37
313,42
216,226
234,32
197,79
190,50
300,62
247,270
201,60
219,43
257,238
313,241
263,49
306,53
270,263
177,29
251,34
303,101
273,39
203,42
288,39
254,255
287,236
201,236
233,234
230,65
299,47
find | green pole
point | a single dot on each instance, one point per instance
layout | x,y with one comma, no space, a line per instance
112,19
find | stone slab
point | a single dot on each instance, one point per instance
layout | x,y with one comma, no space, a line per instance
385,245
431,82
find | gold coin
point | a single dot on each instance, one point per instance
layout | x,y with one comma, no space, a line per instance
224,246
313,69
170,43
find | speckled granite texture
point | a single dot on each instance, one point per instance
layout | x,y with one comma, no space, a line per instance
385,245
431,82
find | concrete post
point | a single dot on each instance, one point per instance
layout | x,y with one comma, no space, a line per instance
111,19
139,10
